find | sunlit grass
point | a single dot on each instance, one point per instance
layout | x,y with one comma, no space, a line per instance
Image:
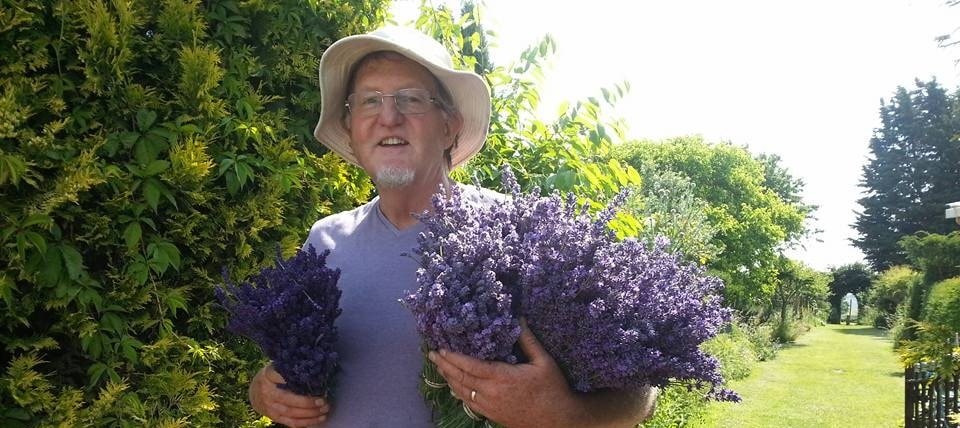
834,376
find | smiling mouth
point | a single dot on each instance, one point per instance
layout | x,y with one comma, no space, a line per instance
393,142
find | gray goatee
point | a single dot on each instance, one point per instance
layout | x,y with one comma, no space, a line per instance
394,177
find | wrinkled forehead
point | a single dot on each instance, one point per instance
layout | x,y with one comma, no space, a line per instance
381,64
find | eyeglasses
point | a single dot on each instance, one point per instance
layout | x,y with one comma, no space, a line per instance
408,101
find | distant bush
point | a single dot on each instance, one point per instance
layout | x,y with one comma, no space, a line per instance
937,333
761,340
676,407
889,291
943,304
735,353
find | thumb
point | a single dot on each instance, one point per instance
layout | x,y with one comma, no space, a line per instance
272,375
529,344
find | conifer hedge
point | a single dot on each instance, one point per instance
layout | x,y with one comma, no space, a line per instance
144,146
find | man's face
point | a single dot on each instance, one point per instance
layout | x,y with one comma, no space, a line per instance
393,147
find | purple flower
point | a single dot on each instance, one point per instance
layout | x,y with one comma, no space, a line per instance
289,311
613,314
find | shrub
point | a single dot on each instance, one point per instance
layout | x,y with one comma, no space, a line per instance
937,332
888,292
677,405
786,332
143,146
735,353
943,304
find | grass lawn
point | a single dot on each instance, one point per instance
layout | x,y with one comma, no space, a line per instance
833,376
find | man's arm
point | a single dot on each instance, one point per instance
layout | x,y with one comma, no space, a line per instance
536,394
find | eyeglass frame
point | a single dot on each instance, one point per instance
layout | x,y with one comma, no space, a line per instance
396,101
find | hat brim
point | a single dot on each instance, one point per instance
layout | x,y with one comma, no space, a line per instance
470,93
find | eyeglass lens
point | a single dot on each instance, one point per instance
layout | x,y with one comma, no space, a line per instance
408,101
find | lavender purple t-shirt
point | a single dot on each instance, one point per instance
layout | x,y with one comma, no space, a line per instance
378,343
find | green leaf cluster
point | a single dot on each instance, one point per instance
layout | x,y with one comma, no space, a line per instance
569,153
751,202
144,146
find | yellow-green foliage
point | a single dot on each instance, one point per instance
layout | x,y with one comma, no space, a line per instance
570,153
144,146
937,332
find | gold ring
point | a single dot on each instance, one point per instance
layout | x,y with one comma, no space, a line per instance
473,395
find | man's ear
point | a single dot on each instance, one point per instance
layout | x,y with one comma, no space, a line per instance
452,127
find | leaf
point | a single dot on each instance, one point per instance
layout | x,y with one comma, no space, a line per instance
174,301
129,349
36,240
171,253
132,234
72,260
225,165
16,413
51,268
7,288
151,192
112,322
232,185
92,345
128,138
155,167
139,271
95,372
34,219
244,173
145,119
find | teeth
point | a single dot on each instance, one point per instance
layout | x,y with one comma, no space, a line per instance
392,141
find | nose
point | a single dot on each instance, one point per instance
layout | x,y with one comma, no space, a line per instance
389,113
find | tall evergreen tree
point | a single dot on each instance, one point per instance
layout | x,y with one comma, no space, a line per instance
913,172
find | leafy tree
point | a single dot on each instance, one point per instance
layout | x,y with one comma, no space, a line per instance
666,206
753,221
889,292
145,145
912,173
853,278
800,288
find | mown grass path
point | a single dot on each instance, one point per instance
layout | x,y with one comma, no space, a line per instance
833,376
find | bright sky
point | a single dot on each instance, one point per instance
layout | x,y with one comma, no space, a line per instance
802,80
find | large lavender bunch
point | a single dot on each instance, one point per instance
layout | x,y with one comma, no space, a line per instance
462,303
614,314
289,310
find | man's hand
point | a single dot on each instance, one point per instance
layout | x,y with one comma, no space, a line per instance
514,395
536,394
283,406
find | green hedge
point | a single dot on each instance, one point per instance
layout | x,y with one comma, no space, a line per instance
145,146
943,304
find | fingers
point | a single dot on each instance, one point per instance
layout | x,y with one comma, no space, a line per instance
530,345
271,374
283,406
459,365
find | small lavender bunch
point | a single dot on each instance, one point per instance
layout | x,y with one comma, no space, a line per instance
289,311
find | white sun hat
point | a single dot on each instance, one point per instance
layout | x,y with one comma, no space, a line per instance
470,93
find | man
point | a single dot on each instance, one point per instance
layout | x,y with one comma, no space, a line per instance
393,104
